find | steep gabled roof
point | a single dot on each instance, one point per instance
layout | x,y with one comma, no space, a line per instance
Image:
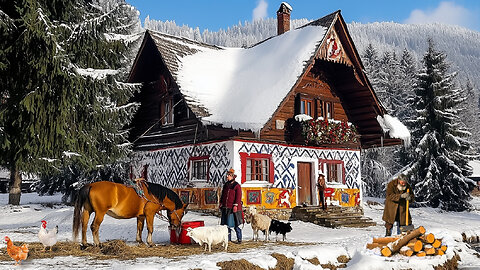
242,88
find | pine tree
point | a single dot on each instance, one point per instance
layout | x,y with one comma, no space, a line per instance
405,111
58,109
471,114
441,163
371,63
374,169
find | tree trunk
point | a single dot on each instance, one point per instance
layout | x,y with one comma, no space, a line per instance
14,187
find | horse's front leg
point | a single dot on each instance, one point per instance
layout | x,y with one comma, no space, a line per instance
140,224
150,216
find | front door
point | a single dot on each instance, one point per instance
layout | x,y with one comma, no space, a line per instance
304,182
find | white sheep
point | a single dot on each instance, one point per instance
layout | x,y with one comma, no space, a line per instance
209,236
259,222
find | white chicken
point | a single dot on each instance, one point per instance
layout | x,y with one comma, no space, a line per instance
47,238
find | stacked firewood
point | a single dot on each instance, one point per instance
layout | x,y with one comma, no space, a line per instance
415,242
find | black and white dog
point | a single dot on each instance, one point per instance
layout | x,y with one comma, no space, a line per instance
280,227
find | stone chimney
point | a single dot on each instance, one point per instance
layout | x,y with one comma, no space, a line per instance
283,18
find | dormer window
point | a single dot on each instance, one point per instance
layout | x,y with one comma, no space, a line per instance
306,106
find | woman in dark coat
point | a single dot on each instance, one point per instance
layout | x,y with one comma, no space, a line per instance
231,203
396,204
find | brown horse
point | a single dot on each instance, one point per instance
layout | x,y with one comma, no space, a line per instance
120,201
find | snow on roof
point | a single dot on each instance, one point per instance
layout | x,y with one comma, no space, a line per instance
241,88
394,127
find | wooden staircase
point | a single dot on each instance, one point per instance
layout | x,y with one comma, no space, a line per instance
333,217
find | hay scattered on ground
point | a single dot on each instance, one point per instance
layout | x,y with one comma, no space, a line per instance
283,262
118,249
238,264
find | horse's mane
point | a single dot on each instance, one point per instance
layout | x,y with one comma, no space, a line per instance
161,192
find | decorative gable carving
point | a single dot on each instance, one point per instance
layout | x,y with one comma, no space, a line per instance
333,50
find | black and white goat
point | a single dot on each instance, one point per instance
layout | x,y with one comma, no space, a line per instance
280,227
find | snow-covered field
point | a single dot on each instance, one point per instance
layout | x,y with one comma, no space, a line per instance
21,223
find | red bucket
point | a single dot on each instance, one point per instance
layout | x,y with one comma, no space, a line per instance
183,238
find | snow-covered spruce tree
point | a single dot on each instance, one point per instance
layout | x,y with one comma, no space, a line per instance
439,171
101,45
57,110
405,112
471,114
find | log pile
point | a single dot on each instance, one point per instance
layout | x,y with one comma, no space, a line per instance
414,243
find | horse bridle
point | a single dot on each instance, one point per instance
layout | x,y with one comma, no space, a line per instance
161,204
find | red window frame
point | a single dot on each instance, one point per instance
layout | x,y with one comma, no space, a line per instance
193,159
245,158
321,163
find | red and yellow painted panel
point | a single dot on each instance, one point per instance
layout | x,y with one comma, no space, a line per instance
347,197
267,198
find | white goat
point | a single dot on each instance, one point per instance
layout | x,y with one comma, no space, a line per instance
209,236
259,222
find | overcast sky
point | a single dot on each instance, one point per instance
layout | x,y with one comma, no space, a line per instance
216,14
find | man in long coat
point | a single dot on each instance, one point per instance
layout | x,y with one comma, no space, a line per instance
396,204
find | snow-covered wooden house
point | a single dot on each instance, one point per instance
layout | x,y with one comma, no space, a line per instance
205,109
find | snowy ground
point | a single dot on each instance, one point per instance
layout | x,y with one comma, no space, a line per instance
21,223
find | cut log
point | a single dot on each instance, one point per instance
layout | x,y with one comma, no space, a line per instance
415,244
439,252
421,254
443,248
428,238
406,251
375,245
386,251
395,246
429,249
437,243
384,240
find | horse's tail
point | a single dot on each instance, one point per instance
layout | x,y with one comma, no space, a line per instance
79,205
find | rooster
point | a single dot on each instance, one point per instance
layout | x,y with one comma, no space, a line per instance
16,253
47,238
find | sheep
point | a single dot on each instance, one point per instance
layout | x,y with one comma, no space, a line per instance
209,236
259,222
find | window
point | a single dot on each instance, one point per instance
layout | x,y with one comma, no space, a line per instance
256,167
325,109
199,168
167,112
306,106
334,170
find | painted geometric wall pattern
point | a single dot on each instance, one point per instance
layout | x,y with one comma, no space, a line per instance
169,167
285,171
